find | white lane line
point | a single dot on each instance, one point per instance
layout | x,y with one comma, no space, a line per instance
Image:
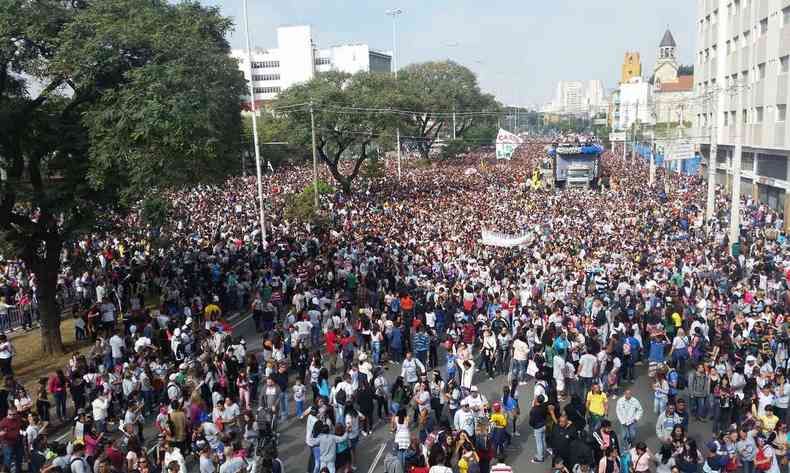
244,319
378,457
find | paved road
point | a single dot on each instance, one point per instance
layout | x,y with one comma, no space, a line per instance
294,454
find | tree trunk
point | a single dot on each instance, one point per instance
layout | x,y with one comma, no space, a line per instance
47,281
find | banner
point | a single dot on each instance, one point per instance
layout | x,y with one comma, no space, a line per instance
617,136
681,151
504,240
506,144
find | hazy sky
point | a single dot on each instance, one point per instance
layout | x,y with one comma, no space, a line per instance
519,49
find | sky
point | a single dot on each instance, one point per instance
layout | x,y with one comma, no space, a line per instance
519,49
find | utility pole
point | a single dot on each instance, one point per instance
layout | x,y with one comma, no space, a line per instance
261,216
735,205
397,134
453,124
652,173
315,158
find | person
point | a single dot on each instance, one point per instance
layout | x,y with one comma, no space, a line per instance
609,462
604,437
77,462
699,388
328,442
499,467
538,417
11,439
629,412
666,422
640,458
597,406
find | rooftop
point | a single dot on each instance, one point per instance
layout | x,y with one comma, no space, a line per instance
684,84
668,41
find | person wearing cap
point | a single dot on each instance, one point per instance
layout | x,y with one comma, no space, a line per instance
464,419
475,400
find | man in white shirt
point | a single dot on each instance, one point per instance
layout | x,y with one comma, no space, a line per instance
587,368
464,419
117,346
411,370
100,407
629,411
475,400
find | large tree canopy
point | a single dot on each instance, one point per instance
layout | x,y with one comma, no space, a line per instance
445,87
346,127
100,101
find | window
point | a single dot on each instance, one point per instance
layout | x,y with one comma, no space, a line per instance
781,112
321,61
786,16
745,116
761,71
265,64
745,39
784,64
763,26
758,114
744,77
729,47
262,77
726,119
733,118
266,90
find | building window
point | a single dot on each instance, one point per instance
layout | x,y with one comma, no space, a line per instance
265,64
758,114
322,61
761,71
744,77
763,26
745,39
264,77
784,64
786,16
745,116
266,90
733,117
781,112
726,119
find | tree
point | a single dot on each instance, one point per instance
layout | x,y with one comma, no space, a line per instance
272,129
440,87
135,96
342,133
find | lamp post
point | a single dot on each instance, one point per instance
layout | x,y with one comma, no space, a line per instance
254,127
394,13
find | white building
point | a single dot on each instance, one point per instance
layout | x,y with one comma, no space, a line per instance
297,58
634,104
742,84
578,97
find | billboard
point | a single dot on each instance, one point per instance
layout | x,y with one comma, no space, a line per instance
506,144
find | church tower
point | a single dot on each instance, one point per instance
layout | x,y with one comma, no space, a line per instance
666,69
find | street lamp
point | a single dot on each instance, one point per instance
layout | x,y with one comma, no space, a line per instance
254,126
394,13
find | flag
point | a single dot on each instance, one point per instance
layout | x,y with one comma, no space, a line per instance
506,144
271,169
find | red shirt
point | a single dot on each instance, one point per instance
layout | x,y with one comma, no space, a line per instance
331,338
11,426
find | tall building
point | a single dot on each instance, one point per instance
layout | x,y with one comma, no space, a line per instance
632,67
578,97
672,92
297,58
742,85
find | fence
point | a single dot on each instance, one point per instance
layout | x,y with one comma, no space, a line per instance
19,317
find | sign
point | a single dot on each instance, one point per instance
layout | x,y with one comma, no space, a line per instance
506,144
681,151
617,136
600,122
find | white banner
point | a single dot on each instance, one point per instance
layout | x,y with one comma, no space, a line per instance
506,144
616,136
681,151
504,240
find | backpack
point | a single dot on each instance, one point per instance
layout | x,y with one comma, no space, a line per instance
682,383
340,397
472,465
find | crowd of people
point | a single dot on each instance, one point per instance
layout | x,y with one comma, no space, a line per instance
622,282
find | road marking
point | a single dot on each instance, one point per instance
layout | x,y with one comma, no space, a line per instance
378,457
244,319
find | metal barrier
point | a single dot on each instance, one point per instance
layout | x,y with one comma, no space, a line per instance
19,317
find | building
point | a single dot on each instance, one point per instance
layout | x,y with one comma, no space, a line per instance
672,92
578,98
633,104
297,59
742,83
632,67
